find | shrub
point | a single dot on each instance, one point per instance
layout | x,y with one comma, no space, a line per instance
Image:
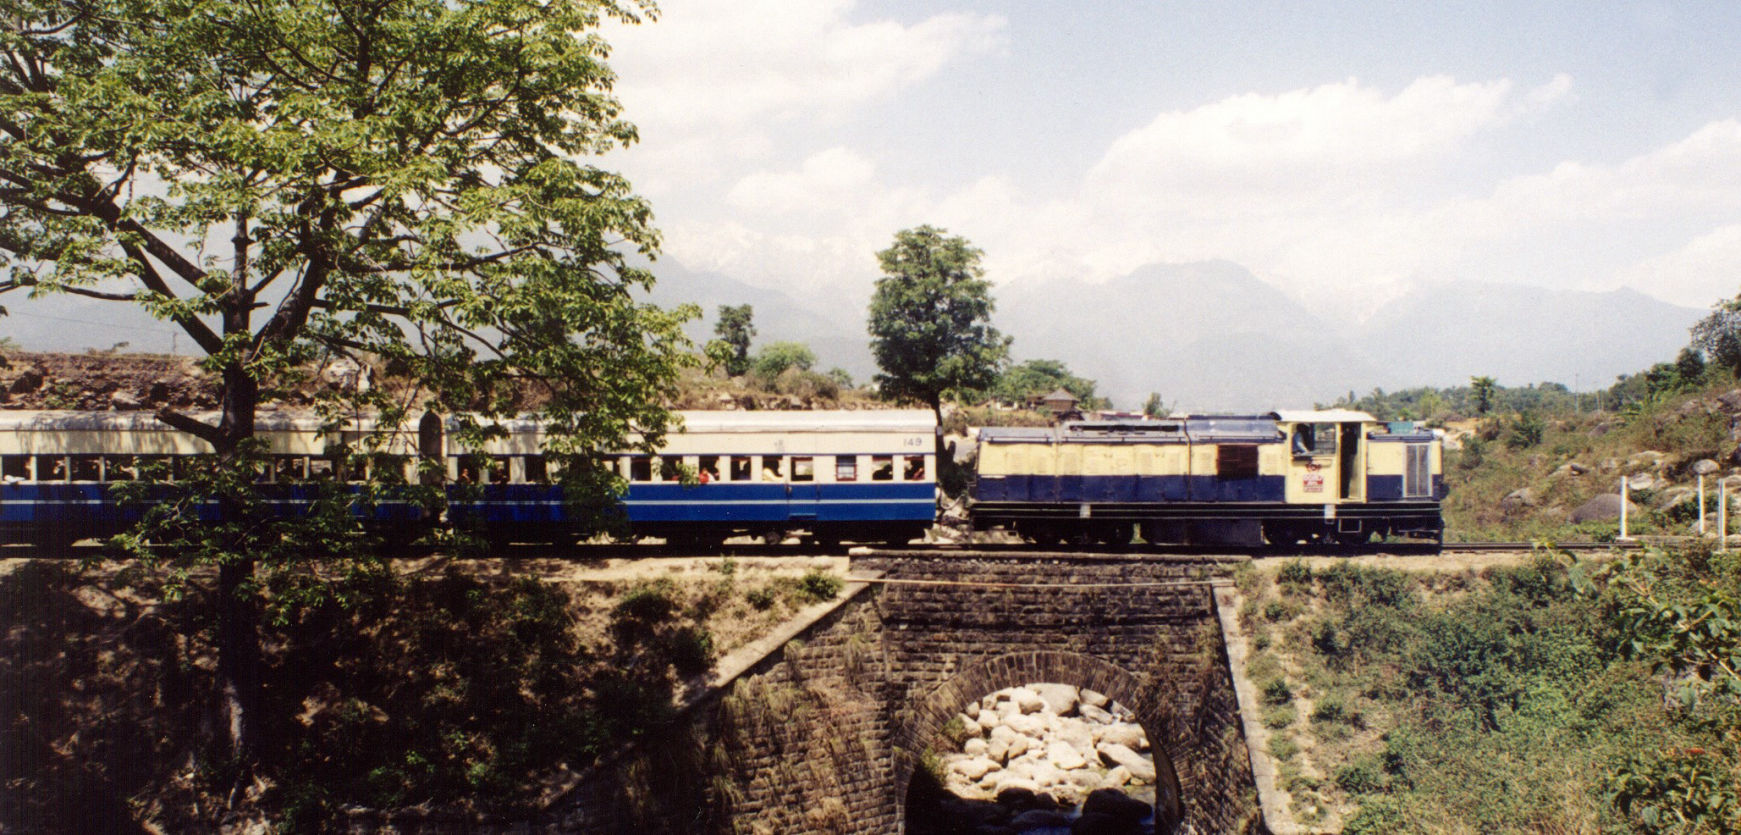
819,585
762,598
690,649
1277,692
1278,717
1294,573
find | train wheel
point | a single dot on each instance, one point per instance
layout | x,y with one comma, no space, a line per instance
1116,534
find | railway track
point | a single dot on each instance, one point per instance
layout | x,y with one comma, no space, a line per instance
599,552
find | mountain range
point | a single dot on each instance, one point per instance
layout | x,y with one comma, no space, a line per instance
1207,336
1211,336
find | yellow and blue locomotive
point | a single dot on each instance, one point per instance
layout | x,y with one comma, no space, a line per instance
1279,478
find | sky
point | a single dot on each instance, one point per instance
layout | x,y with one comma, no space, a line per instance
1342,152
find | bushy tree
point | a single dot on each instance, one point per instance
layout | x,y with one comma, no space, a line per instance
1041,377
401,182
1719,336
735,328
1482,388
776,357
930,320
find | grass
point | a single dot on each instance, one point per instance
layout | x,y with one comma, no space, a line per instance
1502,699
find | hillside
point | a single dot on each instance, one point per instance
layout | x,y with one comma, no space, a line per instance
1516,478
1541,695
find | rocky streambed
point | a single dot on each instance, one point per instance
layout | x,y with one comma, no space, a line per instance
1046,758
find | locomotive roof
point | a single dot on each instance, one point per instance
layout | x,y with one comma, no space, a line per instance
1196,428
1322,416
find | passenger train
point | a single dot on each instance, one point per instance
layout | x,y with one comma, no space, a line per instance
833,476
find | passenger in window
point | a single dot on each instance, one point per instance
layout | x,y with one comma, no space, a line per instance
740,468
771,469
709,469
915,468
499,470
882,468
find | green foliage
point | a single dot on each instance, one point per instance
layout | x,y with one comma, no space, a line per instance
1276,717
1276,691
1527,696
930,319
1037,378
818,585
403,184
1688,791
775,358
735,329
1718,336
1525,431
1153,407
1295,573
1482,387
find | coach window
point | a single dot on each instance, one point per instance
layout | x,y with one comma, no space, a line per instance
640,468
739,468
15,467
536,470
499,469
671,468
708,469
771,470
803,468
87,468
152,467
322,468
120,468
914,469
882,468
290,467
50,468
845,468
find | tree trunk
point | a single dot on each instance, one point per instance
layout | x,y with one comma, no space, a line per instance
239,659
238,609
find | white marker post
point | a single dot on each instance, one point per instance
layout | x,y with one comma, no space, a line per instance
1701,504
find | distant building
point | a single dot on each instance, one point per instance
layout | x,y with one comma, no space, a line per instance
1060,403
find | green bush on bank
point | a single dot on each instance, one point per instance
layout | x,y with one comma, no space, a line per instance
1523,698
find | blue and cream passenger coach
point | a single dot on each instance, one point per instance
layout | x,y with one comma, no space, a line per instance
1280,478
834,475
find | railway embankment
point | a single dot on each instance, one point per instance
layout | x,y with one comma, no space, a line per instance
472,689
1516,692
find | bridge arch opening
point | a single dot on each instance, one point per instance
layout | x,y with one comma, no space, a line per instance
1042,732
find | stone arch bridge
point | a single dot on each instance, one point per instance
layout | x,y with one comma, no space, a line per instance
825,734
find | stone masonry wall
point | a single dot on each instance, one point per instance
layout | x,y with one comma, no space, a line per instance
824,735
1143,631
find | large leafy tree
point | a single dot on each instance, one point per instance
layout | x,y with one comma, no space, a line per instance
930,320
735,328
399,181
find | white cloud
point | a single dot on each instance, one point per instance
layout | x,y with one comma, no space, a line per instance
824,179
713,85
1699,274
